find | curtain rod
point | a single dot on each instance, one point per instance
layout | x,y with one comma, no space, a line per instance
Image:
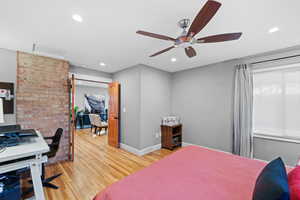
275,59
79,79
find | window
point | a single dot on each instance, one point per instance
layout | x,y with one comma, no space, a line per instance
276,108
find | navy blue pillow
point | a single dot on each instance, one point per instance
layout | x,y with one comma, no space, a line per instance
272,183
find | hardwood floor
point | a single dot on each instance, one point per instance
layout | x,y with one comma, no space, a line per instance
96,166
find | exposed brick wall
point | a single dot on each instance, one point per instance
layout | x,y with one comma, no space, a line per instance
42,97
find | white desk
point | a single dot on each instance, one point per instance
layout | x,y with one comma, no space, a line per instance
35,148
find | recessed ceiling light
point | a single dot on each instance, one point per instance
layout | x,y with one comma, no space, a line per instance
102,64
77,18
273,30
173,59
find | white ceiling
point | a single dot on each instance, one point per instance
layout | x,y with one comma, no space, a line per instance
107,33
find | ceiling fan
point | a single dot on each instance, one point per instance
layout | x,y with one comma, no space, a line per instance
187,38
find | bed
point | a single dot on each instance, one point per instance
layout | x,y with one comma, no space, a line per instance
191,173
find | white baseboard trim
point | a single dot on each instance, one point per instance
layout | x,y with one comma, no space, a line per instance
142,151
129,148
158,146
185,144
150,149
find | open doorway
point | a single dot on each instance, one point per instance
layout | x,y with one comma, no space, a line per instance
94,110
91,107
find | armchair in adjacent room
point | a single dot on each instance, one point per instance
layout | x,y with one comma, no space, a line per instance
97,123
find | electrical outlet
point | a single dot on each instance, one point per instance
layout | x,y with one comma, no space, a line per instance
124,109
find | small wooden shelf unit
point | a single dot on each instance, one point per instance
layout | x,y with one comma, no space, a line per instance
171,136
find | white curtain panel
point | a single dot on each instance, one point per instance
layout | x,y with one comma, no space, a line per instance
243,111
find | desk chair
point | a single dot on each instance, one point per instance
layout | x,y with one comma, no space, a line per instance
54,146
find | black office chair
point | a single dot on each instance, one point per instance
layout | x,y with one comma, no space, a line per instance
54,146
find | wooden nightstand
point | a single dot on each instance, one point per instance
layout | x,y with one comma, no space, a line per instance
171,136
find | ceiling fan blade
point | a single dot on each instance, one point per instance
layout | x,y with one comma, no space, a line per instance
220,38
154,35
162,51
203,17
190,52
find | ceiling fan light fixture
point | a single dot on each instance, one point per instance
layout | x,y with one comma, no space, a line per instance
187,38
184,23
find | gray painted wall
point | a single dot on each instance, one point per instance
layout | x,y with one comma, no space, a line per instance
130,81
266,149
203,98
90,72
8,73
145,98
155,103
81,90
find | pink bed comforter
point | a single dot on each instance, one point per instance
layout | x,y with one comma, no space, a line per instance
192,173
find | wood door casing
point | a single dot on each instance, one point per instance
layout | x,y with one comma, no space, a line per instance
114,115
73,125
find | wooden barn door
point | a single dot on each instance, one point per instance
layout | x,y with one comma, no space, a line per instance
114,115
73,125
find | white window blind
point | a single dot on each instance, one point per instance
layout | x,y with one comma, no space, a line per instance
276,108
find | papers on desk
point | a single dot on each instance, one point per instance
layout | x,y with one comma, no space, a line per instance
1,111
